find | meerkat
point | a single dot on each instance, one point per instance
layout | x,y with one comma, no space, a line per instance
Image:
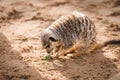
74,32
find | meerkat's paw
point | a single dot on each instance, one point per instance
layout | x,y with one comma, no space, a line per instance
64,57
70,55
54,56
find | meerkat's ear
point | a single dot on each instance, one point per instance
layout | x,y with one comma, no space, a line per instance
53,39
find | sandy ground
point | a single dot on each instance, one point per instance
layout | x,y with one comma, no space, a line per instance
20,49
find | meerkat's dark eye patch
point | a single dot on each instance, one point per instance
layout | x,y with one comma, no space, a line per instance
52,39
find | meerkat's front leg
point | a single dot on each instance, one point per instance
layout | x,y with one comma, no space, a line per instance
56,51
60,52
75,49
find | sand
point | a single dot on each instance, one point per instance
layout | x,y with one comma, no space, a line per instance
21,54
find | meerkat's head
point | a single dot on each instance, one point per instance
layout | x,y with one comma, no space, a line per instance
48,40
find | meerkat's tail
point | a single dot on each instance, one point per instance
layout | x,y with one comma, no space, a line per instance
104,44
109,42
114,42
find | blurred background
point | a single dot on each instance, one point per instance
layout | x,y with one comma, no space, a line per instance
21,55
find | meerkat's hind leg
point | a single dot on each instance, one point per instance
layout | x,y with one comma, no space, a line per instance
75,50
94,46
